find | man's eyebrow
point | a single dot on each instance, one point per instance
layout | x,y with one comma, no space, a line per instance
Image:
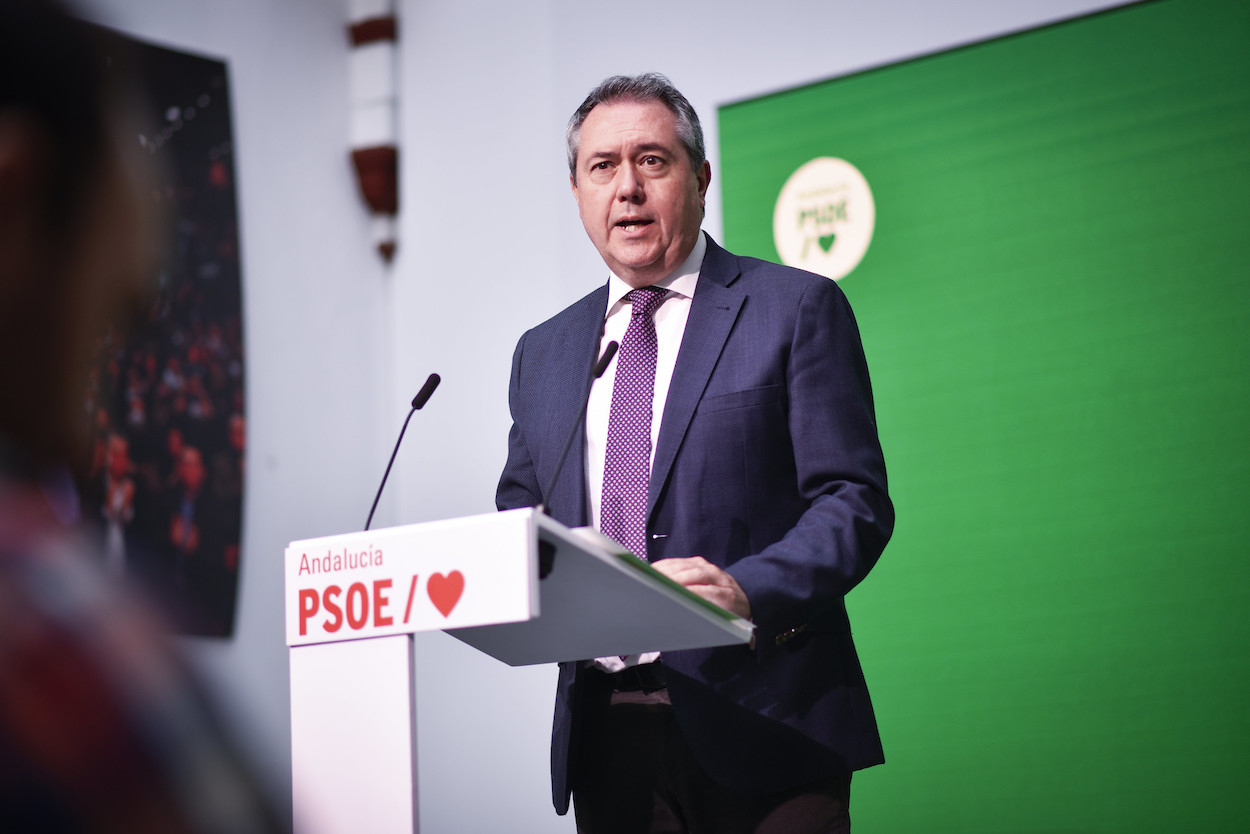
651,147
645,147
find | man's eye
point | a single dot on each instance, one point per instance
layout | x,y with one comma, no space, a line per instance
599,166
652,160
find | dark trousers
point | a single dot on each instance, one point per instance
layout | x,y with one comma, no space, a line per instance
636,776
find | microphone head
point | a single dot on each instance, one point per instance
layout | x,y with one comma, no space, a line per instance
426,391
608,353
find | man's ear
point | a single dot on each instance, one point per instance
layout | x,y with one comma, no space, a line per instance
23,163
705,179
23,171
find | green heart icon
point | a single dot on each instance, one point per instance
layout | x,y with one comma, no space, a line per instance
826,242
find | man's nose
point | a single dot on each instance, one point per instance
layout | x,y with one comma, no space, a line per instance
628,184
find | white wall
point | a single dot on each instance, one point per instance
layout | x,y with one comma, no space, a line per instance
489,244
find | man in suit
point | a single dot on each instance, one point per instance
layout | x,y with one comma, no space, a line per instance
762,488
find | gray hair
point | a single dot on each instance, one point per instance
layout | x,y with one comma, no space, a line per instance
650,86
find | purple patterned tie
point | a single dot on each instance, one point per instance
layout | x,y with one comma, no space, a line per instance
627,463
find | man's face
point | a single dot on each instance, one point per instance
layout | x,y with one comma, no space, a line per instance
638,195
191,469
118,456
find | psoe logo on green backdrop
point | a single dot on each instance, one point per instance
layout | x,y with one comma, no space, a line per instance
824,217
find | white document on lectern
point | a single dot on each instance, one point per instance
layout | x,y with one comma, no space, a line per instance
598,599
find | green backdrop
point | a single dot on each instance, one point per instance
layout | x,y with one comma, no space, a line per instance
1056,311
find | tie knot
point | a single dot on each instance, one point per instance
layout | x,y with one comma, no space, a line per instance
646,300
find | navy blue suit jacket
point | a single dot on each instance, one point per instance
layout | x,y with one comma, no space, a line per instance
768,465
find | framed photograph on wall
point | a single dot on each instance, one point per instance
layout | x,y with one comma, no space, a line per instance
164,486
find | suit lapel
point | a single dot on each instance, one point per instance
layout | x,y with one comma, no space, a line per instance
713,311
570,390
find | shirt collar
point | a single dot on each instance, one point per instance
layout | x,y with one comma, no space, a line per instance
681,281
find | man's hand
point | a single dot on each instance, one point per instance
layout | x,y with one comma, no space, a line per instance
708,581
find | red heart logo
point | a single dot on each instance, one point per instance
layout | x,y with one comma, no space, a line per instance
445,591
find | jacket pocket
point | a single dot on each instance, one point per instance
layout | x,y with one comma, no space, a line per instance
739,399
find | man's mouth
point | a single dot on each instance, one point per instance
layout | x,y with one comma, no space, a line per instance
632,224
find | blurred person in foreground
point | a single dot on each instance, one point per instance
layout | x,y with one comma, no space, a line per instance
101,726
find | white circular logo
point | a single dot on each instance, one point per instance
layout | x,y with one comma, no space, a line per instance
824,217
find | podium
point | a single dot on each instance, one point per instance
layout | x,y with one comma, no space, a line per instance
515,585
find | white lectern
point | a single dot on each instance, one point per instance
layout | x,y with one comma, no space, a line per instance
516,585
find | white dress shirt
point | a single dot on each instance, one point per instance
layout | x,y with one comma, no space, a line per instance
670,325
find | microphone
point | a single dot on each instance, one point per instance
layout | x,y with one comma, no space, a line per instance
602,364
422,397
427,390
597,371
